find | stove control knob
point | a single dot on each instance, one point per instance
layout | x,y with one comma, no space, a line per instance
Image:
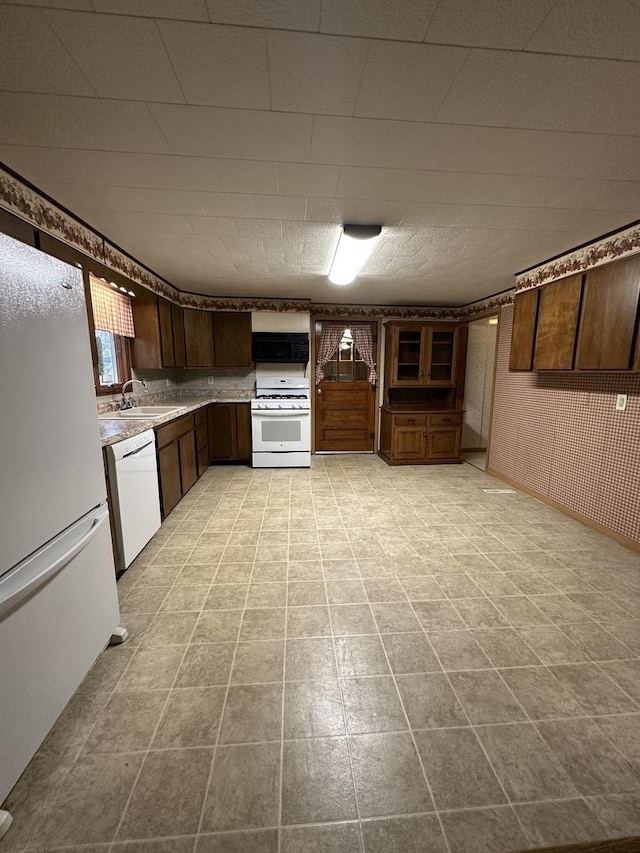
279,405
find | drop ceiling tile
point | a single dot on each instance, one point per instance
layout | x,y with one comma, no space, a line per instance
85,5
218,132
355,210
219,66
315,73
278,14
306,179
418,145
493,86
125,199
246,176
407,81
492,23
588,95
188,10
521,152
590,28
279,206
118,169
226,205
130,222
122,57
347,141
46,66
67,122
405,20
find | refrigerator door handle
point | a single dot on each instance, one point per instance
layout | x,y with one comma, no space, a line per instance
24,580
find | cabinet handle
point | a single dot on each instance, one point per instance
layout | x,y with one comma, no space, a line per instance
424,435
446,420
411,420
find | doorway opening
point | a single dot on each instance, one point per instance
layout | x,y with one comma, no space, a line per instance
346,353
478,395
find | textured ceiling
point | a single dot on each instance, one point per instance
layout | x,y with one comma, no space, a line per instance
222,143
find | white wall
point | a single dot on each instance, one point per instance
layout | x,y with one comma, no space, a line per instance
478,389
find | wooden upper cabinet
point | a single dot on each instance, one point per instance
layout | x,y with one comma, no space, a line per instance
177,328
198,338
232,339
558,313
150,347
608,318
524,330
422,354
167,348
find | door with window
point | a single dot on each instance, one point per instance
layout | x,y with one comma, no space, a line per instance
345,390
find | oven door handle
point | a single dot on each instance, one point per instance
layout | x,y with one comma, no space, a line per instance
279,413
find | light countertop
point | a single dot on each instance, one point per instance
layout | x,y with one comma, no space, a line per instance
116,429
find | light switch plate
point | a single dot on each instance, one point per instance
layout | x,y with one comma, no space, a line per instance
621,402
210,380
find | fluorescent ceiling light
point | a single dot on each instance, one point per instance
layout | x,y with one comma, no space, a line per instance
354,247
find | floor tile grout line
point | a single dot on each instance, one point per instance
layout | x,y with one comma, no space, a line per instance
478,740
156,727
226,694
283,697
343,711
412,733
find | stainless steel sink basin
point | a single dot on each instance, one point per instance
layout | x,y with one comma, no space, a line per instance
140,413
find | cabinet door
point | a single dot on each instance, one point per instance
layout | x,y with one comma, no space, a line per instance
440,367
558,324
188,464
525,314
408,355
198,338
443,443
177,325
222,432
409,442
243,431
166,333
232,339
608,317
170,485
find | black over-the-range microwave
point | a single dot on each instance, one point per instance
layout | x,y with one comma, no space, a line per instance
292,347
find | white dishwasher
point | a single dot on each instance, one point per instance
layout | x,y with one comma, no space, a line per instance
135,495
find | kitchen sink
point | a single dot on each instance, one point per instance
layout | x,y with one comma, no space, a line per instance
140,412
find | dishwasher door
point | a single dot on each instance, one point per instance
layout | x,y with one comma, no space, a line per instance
133,478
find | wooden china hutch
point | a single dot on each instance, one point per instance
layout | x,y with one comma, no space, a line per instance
421,421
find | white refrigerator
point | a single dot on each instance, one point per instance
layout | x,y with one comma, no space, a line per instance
58,598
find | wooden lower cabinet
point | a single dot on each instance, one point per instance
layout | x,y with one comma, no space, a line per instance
229,428
202,441
178,467
169,473
420,437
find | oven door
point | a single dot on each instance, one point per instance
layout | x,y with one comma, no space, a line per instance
278,431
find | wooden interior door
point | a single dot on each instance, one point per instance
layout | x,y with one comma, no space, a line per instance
345,400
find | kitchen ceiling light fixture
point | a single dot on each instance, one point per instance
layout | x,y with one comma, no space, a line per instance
354,247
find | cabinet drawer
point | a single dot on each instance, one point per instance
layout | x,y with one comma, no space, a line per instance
200,417
410,420
445,420
173,429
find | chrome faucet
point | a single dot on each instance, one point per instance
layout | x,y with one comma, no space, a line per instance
128,404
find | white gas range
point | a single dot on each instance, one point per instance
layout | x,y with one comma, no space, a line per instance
281,423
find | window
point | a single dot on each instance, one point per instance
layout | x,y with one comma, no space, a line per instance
113,328
347,364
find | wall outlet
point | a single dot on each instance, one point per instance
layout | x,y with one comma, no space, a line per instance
210,380
167,382
621,402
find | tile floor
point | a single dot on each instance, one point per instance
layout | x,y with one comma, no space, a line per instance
353,658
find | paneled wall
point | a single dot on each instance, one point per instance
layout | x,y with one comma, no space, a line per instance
560,436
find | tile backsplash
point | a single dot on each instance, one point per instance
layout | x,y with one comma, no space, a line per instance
227,385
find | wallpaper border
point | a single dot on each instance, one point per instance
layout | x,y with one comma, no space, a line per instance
39,211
